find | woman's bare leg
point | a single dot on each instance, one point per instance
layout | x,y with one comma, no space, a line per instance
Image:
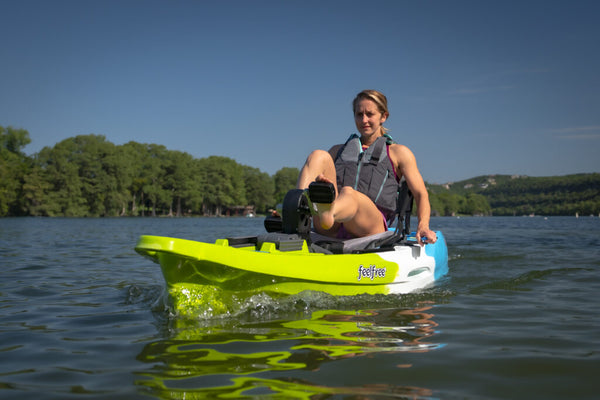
318,164
360,215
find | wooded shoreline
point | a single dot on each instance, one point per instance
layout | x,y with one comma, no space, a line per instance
88,176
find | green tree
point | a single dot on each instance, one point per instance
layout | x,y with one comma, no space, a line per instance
60,169
136,155
475,204
36,189
259,189
13,169
285,180
79,178
223,184
449,203
95,157
121,165
194,194
153,173
181,181
13,140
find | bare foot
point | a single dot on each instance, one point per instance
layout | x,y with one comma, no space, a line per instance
325,215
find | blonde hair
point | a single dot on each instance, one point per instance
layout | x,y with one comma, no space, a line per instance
376,97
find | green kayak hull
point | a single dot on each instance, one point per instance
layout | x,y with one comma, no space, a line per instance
199,273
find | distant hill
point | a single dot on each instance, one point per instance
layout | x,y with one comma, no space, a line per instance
520,195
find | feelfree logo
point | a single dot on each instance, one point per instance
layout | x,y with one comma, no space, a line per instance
370,272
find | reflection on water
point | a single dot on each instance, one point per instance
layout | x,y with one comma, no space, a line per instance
236,359
82,316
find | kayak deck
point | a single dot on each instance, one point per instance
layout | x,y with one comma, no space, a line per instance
189,264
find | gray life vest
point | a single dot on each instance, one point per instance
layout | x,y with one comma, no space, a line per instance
370,172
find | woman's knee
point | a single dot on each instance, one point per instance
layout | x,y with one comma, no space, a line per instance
349,192
318,157
318,162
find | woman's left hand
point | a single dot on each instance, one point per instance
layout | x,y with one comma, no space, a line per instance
426,236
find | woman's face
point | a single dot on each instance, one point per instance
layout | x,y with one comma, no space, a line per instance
368,118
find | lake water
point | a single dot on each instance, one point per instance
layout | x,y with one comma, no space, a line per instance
83,316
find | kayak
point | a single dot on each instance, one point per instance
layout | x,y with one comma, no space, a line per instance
197,271
291,259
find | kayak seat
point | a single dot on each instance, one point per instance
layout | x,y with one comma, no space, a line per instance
347,246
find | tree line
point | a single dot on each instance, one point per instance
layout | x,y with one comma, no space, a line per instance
506,195
88,176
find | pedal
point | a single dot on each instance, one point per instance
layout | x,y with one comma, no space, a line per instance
321,192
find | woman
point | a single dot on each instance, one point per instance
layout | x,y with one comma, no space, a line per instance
354,212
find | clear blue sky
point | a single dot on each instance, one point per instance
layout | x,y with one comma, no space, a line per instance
474,87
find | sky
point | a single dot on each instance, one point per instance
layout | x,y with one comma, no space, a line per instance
474,87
